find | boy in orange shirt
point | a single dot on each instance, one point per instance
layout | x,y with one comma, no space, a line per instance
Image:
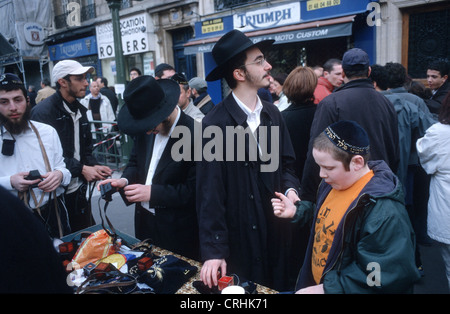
361,238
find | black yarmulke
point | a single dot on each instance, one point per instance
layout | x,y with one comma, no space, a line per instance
349,136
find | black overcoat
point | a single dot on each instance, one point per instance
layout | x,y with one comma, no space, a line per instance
236,219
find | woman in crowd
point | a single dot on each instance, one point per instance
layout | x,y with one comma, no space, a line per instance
299,89
434,153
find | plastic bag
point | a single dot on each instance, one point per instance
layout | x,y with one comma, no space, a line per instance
97,246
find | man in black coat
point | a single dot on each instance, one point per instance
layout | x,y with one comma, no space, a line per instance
160,176
239,233
356,100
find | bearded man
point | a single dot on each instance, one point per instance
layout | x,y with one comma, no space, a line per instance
28,146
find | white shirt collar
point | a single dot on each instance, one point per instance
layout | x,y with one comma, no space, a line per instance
253,117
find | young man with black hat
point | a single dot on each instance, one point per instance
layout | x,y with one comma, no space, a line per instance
22,153
63,111
356,100
238,231
161,185
361,238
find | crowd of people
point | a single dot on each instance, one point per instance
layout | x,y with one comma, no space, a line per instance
362,173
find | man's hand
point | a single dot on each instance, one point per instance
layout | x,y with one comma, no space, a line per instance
137,193
51,181
116,183
210,269
19,183
97,172
292,196
283,207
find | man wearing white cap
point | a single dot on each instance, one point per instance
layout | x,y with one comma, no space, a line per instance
63,111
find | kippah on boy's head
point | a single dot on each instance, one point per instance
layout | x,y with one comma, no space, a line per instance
344,140
349,136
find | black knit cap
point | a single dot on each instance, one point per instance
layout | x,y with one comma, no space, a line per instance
349,136
9,79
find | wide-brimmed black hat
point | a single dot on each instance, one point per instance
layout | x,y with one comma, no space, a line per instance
229,46
147,103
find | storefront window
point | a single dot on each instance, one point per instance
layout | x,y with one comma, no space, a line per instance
429,36
284,58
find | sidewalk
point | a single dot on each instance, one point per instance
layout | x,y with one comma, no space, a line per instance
434,280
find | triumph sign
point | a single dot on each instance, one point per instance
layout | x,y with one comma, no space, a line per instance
268,17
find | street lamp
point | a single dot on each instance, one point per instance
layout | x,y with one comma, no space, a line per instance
114,6
126,143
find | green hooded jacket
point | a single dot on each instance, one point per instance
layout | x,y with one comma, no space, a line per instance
374,246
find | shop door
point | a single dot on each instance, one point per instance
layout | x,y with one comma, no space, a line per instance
429,39
185,64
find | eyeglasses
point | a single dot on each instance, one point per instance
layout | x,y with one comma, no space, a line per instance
261,61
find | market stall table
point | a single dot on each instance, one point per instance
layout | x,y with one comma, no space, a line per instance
187,287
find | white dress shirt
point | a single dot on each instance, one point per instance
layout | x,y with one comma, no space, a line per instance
253,117
76,116
28,156
158,148
253,121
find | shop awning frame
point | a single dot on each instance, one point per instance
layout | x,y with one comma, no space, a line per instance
206,44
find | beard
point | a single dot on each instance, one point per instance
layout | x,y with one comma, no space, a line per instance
17,127
166,125
257,81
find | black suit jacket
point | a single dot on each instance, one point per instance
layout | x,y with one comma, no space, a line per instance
174,224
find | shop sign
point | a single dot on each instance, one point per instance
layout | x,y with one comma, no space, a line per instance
73,49
34,34
270,17
211,26
322,32
134,34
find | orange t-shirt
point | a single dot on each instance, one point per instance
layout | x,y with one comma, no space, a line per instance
328,219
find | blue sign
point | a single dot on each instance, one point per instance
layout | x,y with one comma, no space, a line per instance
73,49
319,9
213,27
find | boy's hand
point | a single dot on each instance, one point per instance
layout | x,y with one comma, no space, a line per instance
283,207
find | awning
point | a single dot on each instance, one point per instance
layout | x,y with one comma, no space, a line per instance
337,27
8,54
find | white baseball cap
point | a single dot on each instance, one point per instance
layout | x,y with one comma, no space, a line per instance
69,67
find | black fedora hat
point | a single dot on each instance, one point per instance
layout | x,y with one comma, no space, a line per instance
229,46
147,103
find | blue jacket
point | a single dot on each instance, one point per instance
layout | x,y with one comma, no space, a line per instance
375,229
414,119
